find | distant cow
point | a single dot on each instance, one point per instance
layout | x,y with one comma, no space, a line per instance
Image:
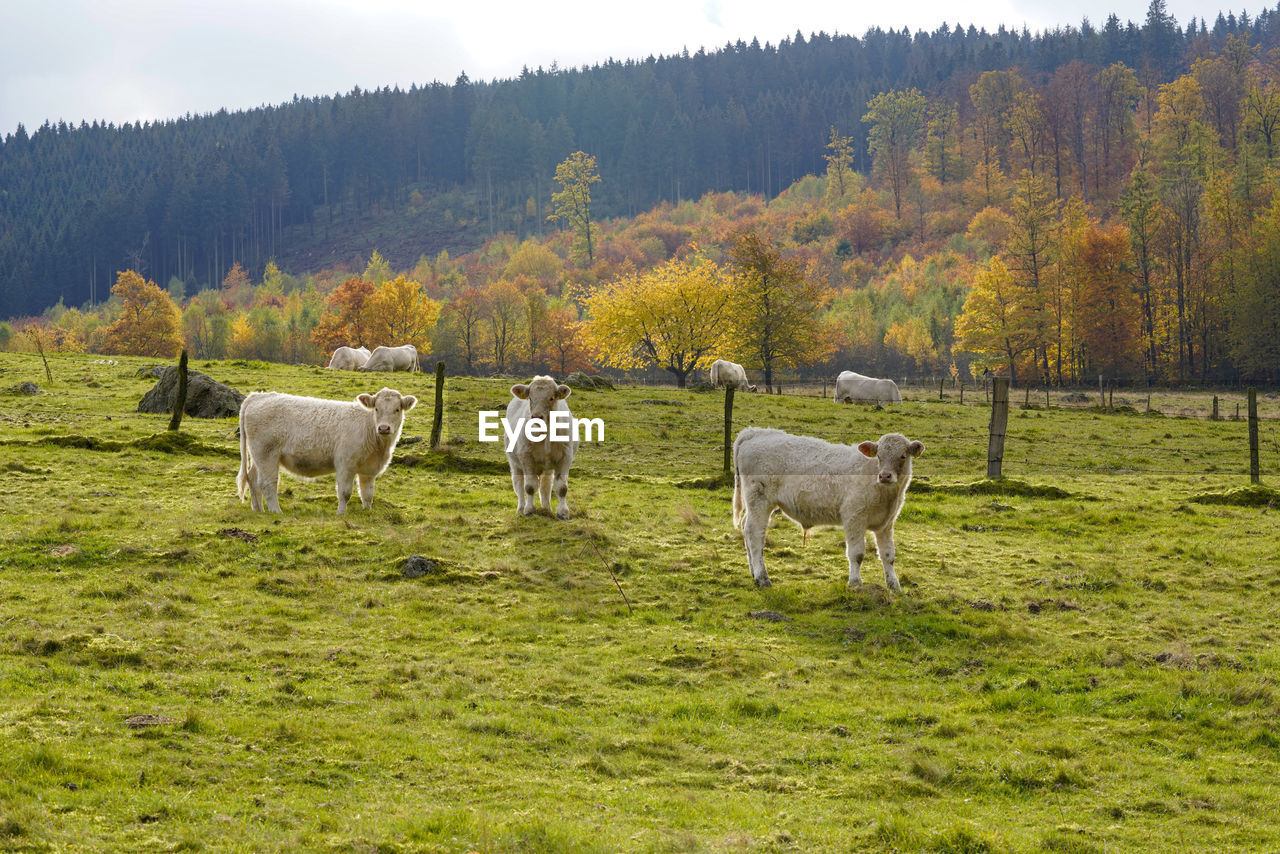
349,358
817,484
310,437
537,466
402,358
855,388
730,375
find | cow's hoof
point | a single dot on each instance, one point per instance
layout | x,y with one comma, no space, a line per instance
562,514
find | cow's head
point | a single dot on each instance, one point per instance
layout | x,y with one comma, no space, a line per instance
894,452
751,388
389,407
542,394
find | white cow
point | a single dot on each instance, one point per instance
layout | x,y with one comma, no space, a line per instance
402,358
310,437
536,464
729,374
817,484
349,358
855,388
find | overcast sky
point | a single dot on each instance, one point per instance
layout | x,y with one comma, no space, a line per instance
126,60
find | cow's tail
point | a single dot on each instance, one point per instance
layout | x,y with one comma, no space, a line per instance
242,477
737,487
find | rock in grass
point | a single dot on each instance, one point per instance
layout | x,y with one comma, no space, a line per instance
417,566
771,616
206,397
25,388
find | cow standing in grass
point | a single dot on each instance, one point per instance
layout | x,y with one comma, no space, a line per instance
348,358
816,484
855,388
310,437
402,358
540,466
730,375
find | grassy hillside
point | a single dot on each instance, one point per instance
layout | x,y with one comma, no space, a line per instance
1093,672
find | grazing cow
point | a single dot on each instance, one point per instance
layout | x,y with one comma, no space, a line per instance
855,388
310,437
729,374
402,358
536,464
348,358
816,484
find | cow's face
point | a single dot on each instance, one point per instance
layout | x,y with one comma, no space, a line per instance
894,452
389,407
542,394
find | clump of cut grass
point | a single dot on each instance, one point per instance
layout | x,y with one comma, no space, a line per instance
1253,495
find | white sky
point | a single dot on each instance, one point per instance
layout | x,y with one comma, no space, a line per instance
126,60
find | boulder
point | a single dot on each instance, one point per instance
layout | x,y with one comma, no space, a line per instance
25,388
206,397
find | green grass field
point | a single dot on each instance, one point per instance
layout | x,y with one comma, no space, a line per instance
1089,672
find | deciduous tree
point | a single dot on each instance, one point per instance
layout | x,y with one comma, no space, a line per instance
676,317
149,323
571,204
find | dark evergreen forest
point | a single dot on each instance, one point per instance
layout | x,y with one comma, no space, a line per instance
189,197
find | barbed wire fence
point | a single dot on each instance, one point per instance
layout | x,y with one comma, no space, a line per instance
1021,450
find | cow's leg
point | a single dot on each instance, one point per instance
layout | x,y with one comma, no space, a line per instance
364,483
544,490
561,489
754,524
269,482
855,548
530,487
517,484
345,477
884,545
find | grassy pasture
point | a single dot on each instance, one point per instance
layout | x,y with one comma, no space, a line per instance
1090,668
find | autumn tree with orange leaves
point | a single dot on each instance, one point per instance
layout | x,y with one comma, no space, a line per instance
149,323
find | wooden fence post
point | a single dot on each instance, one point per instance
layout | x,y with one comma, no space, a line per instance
940,384
1046,399
437,421
999,421
180,399
1102,397
1255,471
728,429
1214,416
962,394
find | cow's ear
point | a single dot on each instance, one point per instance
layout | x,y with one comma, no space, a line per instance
916,448
563,391
520,391
408,402
365,400
868,449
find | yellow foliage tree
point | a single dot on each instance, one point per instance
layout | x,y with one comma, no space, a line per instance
149,323
993,322
676,316
399,312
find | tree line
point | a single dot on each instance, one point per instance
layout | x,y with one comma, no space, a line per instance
186,199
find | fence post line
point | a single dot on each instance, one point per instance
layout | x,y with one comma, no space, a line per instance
999,421
437,421
180,399
728,429
1255,471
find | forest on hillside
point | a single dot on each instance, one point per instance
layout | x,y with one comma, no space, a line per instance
191,197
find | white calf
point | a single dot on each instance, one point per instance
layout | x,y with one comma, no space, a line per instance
855,388
310,437
536,464
816,484
402,358
726,373
348,358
